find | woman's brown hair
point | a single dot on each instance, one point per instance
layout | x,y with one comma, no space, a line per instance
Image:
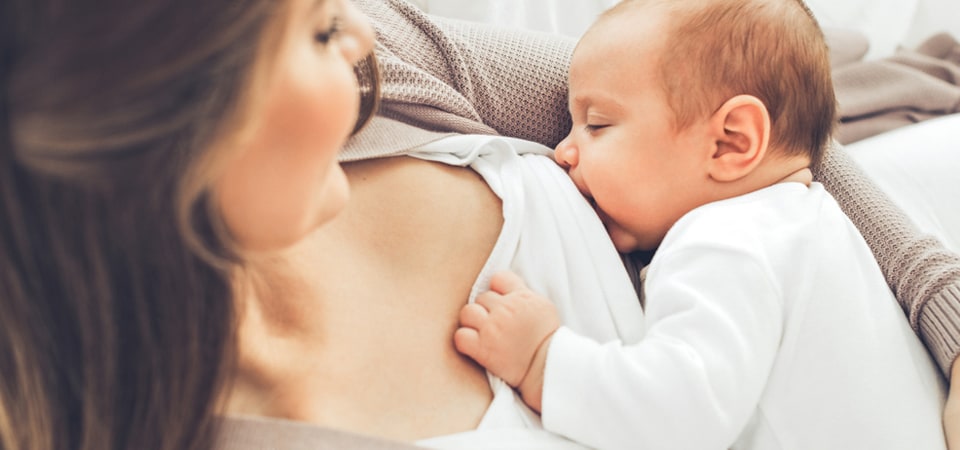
116,329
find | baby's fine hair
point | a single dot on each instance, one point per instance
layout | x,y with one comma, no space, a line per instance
771,49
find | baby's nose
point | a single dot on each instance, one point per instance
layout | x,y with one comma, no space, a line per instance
566,154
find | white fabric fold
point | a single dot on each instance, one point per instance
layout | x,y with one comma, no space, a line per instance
553,239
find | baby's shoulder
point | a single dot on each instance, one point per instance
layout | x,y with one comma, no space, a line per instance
778,218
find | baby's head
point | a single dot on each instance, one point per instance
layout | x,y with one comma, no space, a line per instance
771,49
677,103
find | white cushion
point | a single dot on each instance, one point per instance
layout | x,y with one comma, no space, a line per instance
918,167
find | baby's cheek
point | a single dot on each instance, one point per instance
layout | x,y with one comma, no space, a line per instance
623,241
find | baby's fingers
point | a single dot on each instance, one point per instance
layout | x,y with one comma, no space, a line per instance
506,281
467,341
489,300
473,315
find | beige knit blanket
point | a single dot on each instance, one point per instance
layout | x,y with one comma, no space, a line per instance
908,87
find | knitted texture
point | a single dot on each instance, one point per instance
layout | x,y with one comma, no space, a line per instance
442,76
914,85
448,76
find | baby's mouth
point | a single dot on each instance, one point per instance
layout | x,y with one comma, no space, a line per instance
605,219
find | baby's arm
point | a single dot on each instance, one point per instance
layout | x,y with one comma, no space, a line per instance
693,381
507,330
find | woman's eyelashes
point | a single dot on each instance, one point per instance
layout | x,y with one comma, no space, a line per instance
324,37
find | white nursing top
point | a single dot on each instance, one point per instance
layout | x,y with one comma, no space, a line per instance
553,239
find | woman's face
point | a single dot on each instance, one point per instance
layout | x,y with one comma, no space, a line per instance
284,180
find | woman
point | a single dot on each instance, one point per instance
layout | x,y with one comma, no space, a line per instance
148,152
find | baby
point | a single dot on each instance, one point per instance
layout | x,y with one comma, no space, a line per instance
769,323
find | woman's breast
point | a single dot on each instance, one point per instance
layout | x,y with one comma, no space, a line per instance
394,270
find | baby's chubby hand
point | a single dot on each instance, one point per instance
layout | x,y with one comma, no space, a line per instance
505,327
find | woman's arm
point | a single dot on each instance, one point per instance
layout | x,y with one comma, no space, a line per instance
465,77
924,275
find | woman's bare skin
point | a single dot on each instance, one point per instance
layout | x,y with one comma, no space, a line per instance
353,328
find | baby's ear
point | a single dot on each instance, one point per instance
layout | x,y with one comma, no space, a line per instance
741,132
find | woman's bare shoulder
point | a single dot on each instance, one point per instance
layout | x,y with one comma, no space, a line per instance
397,265
432,216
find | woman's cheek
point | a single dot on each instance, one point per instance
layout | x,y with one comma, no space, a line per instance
319,117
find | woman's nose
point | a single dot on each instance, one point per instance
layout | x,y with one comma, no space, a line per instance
566,154
361,39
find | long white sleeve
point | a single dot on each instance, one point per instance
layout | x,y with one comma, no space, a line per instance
694,380
769,327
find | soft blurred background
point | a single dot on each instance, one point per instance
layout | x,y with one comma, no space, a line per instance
886,23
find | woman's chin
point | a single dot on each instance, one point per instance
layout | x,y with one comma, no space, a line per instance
334,202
